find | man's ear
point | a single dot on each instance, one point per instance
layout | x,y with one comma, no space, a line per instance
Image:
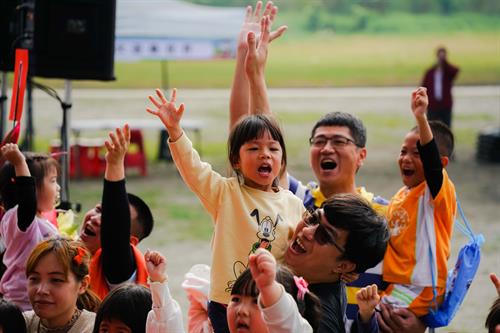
345,266
362,156
444,161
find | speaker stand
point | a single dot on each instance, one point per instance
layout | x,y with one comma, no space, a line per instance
66,110
3,105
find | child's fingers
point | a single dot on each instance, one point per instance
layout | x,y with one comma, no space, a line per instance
108,145
126,133
272,13
173,97
277,33
114,139
153,112
181,109
153,100
251,42
159,93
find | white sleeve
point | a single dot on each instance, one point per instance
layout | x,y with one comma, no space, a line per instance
166,315
284,316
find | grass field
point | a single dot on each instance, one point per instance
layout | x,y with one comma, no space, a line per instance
326,59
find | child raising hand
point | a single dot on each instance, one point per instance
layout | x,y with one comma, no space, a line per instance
166,314
28,187
367,299
249,210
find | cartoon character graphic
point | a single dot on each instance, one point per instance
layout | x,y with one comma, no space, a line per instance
398,222
266,234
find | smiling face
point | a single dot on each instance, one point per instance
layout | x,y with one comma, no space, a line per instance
244,315
52,294
314,261
335,167
90,232
48,194
410,164
260,162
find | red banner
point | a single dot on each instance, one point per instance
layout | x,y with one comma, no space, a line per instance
19,85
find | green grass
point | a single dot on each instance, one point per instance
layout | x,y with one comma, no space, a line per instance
328,59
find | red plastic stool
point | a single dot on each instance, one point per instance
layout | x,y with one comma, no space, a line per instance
91,162
136,155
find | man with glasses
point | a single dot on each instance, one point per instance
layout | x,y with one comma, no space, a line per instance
345,235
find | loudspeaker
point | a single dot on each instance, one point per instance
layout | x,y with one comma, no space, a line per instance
9,33
74,39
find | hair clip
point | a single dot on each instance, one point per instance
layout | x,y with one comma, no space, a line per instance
301,286
78,259
58,154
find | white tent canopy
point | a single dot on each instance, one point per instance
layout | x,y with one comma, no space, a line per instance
173,29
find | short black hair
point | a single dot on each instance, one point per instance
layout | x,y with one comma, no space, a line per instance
493,318
443,136
130,303
250,128
337,118
144,215
11,318
368,232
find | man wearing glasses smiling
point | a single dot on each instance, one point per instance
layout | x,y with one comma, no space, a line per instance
345,235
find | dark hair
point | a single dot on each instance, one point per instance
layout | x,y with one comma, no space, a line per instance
309,307
337,118
129,303
38,165
11,318
73,257
493,319
445,140
144,215
368,233
252,127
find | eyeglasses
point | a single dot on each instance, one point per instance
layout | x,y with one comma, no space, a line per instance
337,141
322,235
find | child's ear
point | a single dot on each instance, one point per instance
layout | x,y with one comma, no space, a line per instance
444,161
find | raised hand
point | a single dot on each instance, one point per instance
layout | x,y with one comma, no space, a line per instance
419,102
367,299
156,265
252,20
496,282
168,113
11,152
263,268
256,58
117,145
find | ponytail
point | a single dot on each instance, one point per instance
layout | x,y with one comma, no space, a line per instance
88,301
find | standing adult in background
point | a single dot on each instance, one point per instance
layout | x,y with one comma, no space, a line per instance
438,80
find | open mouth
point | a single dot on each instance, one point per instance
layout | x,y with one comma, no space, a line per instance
408,172
298,247
89,231
264,169
328,164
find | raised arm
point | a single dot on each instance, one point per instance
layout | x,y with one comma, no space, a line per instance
117,256
429,153
25,185
168,113
166,315
239,103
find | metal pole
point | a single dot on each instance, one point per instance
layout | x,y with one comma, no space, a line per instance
65,143
3,105
29,136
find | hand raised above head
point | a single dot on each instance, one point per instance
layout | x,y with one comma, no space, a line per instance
419,102
117,145
168,113
156,264
263,268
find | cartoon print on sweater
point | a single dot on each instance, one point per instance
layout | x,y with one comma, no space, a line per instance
266,234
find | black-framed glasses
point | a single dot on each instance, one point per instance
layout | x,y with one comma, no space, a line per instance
337,141
322,235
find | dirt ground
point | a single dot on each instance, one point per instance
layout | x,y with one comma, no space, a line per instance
385,112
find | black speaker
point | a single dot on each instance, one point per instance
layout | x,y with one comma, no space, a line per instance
9,33
488,146
74,39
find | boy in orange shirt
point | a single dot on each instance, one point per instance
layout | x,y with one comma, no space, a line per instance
420,215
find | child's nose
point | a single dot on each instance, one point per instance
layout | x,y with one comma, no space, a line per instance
242,310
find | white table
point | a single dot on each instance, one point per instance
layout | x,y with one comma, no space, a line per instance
79,126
